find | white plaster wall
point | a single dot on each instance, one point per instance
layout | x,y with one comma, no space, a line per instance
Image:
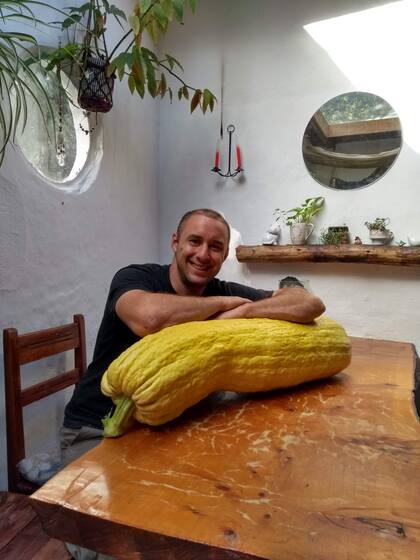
276,77
58,252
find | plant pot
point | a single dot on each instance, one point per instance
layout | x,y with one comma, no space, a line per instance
340,233
380,237
95,87
299,233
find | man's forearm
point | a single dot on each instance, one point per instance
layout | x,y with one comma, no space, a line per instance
146,313
166,309
290,304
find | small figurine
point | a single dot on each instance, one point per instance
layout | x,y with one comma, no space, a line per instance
358,241
270,239
272,235
413,241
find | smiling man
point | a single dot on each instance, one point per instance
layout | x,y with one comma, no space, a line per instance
200,246
146,298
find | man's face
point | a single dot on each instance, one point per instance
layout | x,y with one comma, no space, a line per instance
200,250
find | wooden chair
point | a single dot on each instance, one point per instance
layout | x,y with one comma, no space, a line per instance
20,349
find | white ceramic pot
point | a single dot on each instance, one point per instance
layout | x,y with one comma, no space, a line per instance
380,237
299,233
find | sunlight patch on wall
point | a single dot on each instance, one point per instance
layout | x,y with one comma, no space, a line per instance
378,50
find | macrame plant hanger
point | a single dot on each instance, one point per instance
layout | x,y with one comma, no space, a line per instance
95,87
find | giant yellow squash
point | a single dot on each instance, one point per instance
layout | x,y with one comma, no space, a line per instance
164,373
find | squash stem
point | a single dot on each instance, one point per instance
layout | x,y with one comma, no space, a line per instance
117,422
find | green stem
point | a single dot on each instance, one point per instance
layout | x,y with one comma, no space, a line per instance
175,75
119,43
117,422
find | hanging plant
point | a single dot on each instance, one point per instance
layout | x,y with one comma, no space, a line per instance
95,85
17,80
142,68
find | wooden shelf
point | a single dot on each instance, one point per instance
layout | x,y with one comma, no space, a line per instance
366,254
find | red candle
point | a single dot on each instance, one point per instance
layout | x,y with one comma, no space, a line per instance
217,158
238,157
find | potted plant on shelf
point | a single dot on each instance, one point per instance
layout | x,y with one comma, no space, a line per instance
335,235
299,219
379,232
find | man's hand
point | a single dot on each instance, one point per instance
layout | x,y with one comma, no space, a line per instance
291,304
234,313
232,302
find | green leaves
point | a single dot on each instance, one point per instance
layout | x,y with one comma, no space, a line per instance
120,63
116,12
68,22
379,224
156,15
162,85
12,37
172,61
305,212
208,100
71,52
142,67
178,6
134,22
151,80
84,7
203,99
144,70
160,15
17,82
145,5
196,99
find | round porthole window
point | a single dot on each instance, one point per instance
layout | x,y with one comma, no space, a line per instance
56,139
352,141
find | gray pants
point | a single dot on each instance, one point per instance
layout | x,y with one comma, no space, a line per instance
74,442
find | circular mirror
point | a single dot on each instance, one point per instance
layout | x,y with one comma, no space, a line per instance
352,141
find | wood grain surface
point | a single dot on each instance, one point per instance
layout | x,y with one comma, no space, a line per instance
364,254
21,534
327,471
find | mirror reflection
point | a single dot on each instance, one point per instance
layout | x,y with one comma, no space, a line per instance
352,141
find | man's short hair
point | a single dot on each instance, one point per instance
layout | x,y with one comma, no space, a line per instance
203,212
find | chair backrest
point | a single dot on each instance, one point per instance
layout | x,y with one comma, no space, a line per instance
20,349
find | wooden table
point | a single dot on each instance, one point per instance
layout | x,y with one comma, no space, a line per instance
330,471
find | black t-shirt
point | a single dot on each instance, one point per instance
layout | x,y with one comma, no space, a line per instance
88,405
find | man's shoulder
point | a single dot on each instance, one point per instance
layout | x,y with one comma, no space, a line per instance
144,267
140,270
149,276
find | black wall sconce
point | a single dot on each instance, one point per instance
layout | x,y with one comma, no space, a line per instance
230,129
